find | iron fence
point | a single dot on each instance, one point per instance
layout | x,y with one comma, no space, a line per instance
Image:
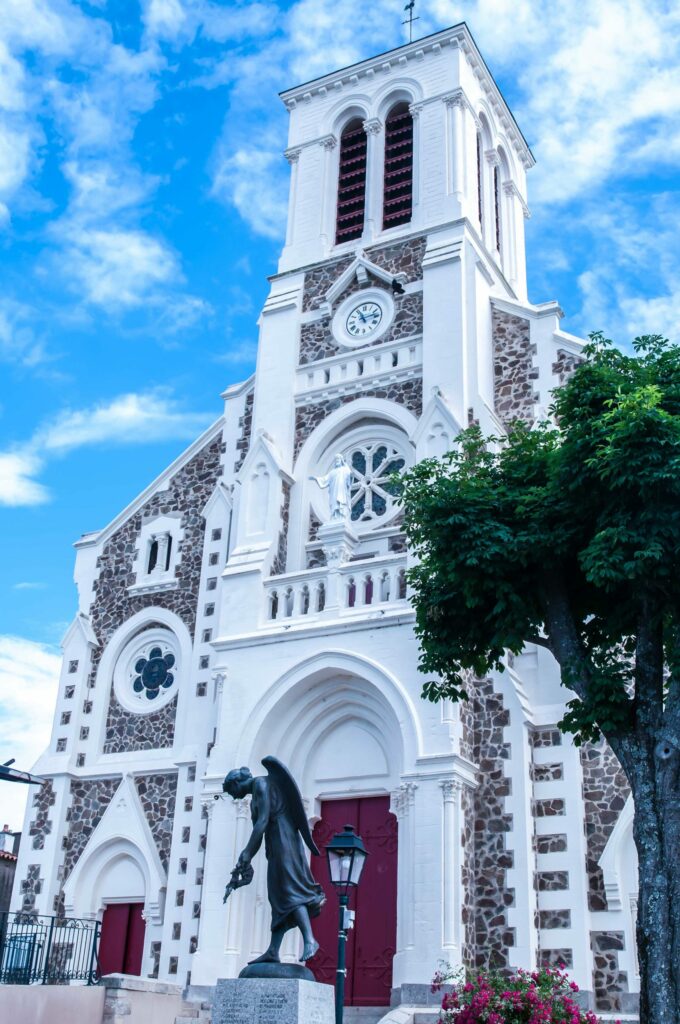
36,949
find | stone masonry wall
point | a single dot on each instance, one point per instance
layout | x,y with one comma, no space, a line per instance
514,371
157,796
605,791
317,341
493,938
405,258
408,393
564,365
279,565
89,800
246,425
113,604
39,828
398,258
609,983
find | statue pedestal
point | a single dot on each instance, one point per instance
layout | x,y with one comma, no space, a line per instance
338,541
272,1001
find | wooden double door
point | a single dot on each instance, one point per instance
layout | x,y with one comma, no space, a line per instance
372,942
121,944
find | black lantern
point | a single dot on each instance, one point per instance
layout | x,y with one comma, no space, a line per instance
346,855
346,858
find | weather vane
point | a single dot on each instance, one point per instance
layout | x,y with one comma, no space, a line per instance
409,21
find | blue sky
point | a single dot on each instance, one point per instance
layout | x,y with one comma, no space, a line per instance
142,203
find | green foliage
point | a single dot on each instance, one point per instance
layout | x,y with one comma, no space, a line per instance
568,531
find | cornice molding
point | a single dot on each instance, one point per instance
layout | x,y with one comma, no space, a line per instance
457,37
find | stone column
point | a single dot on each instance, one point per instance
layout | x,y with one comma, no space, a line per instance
517,211
209,961
455,149
493,239
375,159
451,873
235,905
415,110
292,156
328,144
402,805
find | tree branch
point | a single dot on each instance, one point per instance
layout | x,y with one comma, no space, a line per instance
565,642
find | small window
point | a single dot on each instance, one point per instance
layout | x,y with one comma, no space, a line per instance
160,554
153,556
398,187
351,182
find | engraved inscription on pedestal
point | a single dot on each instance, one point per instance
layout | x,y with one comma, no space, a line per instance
272,1001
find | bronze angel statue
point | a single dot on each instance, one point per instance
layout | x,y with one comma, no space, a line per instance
279,818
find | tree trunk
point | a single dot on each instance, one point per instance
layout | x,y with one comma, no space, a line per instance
654,775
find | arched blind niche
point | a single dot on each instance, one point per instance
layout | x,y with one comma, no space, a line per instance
398,188
351,183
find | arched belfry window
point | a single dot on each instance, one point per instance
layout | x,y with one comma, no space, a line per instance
480,181
398,188
351,182
497,204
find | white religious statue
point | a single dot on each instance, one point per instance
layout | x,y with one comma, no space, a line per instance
338,480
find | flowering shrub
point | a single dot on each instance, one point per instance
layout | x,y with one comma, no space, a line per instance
540,997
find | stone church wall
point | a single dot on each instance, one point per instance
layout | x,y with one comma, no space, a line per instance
113,603
408,393
515,394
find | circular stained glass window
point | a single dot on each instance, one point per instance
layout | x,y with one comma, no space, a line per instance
373,489
146,673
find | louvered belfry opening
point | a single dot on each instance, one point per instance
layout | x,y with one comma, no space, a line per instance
351,183
397,199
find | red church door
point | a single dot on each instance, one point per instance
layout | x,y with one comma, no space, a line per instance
122,939
372,942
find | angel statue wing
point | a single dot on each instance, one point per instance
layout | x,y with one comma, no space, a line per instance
291,794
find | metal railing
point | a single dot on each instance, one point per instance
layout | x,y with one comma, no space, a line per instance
48,950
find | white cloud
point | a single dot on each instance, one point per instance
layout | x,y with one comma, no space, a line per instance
29,674
17,479
118,268
29,586
129,419
254,181
164,18
243,352
136,418
19,342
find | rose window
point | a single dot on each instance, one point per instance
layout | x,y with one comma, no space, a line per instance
373,490
153,673
146,673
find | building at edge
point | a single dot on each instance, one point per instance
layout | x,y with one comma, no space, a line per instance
221,617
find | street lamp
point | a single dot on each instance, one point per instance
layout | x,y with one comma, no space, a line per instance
346,855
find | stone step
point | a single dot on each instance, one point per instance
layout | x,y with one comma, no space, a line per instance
426,1017
194,1013
364,1014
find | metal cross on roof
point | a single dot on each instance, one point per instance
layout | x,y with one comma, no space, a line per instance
409,21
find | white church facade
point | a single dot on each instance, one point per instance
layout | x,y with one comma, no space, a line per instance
224,615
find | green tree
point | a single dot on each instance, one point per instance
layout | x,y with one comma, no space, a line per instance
568,536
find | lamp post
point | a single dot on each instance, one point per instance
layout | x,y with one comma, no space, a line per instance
346,855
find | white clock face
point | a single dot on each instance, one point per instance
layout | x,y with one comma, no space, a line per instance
364,319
